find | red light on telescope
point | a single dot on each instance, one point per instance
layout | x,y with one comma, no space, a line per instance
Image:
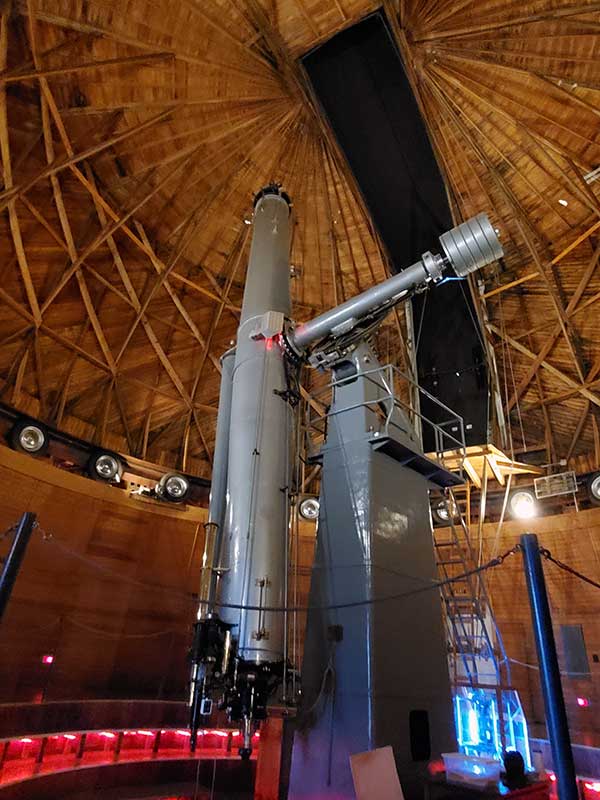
583,702
47,659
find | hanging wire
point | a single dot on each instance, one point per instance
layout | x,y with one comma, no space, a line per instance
421,318
505,344
155,587
475,321
536,667
118,635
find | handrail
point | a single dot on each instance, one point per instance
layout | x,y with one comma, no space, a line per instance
382,378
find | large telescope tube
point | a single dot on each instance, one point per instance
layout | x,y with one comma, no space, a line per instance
254,536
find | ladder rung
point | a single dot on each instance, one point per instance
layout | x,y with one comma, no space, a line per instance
452,561
461,599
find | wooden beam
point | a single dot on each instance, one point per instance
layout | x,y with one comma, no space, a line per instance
525,19
15,76
148,329
578,429
15,228
268,77
11,192
528,234
173,295
554,334
67,232
579,388
112,228
564,252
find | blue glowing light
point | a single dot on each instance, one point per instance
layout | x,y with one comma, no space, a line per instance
489,721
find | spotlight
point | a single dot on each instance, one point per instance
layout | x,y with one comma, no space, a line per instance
309,508
443,511
522,505
105,466
29,436
173,487
593,486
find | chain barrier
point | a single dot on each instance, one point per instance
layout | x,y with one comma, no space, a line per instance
494,562
566,568
491,564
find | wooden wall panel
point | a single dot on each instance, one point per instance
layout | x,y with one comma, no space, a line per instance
109,595
573,538
116,611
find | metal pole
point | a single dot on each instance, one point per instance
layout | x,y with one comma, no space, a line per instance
13,561
554,702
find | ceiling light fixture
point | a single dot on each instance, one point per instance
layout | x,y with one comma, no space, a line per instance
522,504
563,202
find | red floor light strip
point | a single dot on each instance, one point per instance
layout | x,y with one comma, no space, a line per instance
26,756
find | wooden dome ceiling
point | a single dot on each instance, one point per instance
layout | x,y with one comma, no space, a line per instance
133,137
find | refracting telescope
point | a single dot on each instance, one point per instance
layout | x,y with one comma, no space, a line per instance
239,652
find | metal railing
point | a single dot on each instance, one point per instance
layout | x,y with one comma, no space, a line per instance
385,421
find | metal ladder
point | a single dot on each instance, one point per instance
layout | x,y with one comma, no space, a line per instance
476,652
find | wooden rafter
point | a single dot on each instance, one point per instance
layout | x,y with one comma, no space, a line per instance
109,228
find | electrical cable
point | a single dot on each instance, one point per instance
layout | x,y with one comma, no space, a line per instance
197,781
329,670
214,778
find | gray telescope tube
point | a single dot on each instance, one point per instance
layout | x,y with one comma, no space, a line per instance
358,307
254,556
211,557
218,484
